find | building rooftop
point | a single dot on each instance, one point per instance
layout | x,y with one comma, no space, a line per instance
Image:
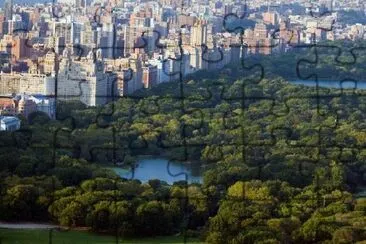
8,119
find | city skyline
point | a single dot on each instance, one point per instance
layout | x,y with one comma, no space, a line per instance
130,32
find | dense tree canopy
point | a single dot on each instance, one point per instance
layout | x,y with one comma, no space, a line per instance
282,162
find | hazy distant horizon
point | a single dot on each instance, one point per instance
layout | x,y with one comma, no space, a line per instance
31,2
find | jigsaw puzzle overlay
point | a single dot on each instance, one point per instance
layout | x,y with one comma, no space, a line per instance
182,122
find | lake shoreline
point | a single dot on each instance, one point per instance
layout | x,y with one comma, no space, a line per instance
148,168
331,84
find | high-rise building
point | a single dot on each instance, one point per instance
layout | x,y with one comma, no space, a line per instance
19,48
76,32
133,39
260,31
137,20
50,63
59,45
122,76
270,18
62,29
87,35
198,34
83,79
196,60
149,76
15,24
136,82
2,24
25,18
8,10
108,44
34,17
88,38
186,20
162,68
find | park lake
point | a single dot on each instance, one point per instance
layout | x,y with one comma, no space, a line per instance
148,168
345,84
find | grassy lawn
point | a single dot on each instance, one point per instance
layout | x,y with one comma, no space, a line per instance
11,236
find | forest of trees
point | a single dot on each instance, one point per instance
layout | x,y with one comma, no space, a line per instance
283,161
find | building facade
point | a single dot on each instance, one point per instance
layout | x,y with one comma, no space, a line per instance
83,79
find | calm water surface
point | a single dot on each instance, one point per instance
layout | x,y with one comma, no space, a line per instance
332,84
162,169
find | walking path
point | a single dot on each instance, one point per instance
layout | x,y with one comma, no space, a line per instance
25,225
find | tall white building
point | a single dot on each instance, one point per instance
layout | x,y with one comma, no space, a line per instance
198,34
162,69
83,79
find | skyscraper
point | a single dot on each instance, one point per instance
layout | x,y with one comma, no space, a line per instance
8,10
63,29
199,33
2,24
132,36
